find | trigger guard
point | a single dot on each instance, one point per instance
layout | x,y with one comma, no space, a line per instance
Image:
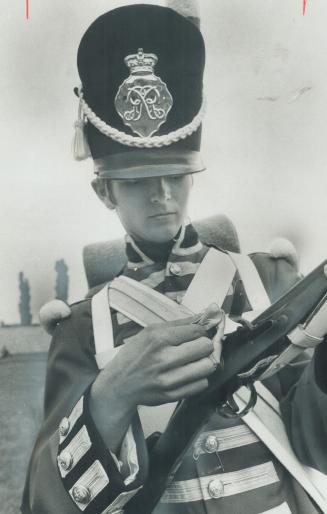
229,409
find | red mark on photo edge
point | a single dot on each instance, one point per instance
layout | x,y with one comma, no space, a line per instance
304,6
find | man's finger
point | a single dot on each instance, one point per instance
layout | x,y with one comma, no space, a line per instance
187,390
190,351
178,334
218,340
186,374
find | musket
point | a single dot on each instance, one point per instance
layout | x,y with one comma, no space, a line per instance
247,352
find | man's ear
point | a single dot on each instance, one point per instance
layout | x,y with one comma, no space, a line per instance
103,191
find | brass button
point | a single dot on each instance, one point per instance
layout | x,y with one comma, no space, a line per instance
81,494
64,427
211,444
65,460
175,269
216,488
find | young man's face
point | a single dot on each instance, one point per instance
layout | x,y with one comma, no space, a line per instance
151,209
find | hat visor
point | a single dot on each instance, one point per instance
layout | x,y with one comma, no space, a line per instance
148,163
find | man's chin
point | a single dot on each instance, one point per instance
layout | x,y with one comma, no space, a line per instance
162,234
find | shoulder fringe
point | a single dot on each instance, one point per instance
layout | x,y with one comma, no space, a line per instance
282,248
51,313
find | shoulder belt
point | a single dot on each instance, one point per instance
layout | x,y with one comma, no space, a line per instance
145,306
209,285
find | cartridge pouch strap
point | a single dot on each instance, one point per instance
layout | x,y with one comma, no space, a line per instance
102,328
211,282
252,283
266,422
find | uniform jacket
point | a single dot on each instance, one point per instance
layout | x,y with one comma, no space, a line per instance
227,469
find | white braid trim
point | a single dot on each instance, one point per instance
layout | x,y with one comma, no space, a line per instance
142,142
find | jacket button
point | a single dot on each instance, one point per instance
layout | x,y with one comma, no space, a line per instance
211,444
65,460
175,269
64,427
81,494
216,488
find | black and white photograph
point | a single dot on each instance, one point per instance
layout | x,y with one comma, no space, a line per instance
163,324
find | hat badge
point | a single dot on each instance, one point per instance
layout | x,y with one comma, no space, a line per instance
143,100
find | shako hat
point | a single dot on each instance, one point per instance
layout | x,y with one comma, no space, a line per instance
141,102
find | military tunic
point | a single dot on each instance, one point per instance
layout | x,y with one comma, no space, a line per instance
227,470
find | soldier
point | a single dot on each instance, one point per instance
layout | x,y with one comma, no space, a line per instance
141,109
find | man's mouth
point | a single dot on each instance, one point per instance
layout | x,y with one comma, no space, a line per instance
163,214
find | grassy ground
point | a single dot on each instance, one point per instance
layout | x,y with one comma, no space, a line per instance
21,397
19,339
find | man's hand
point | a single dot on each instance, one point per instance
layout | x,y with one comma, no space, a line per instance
167,362
163,363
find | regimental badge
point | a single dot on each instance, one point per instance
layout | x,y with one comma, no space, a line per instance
143,100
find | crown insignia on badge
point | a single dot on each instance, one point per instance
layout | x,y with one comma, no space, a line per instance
143,100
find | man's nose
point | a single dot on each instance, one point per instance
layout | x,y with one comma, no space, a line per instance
161,190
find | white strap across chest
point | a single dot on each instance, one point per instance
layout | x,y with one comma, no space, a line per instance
266,422
252,282
211,281
210,284
102,328
145,306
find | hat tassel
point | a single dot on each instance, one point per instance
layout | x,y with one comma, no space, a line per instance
80,145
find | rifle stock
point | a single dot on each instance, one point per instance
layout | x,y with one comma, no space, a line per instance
243,349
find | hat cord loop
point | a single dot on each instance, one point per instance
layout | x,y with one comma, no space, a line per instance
141,142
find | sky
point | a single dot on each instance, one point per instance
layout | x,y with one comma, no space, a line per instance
264,137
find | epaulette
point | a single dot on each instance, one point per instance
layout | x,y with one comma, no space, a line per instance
52,312
282,248
56,310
